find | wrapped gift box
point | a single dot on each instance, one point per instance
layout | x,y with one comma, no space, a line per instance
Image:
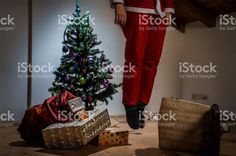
76,133
196,127
76,104
112,137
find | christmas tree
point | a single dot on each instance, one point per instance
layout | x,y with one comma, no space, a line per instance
84,70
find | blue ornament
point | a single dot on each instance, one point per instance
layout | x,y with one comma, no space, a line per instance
74,32
75,66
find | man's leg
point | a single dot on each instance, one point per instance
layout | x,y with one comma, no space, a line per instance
134,56
152,57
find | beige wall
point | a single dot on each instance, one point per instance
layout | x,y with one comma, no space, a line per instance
203,45
167,83
13,49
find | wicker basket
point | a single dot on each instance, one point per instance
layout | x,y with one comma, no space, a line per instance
196,128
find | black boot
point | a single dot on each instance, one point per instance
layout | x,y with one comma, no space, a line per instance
132,116
141,107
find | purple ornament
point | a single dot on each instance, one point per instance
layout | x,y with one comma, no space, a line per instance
91,60
67,78
106,83
72,55
65,49
110,70
90,99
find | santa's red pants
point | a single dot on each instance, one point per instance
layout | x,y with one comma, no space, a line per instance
144,44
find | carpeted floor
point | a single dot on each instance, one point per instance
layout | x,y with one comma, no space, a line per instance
142,143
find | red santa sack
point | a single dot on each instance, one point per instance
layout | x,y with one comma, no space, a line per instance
40,116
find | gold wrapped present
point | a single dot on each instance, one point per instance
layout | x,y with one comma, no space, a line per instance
76,133
112,137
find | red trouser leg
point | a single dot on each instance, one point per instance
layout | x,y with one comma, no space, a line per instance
143,51
152,57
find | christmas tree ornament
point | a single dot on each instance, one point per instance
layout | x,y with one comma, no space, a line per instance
110,70
90,60
106,85
74,32
67,78
65,49
90,99
82,81
72,55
